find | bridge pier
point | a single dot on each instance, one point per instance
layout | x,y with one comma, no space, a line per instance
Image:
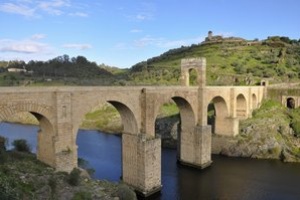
141,158
228,126
45,148
195,147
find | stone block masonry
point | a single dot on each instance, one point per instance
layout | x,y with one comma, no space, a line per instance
60,111
142,163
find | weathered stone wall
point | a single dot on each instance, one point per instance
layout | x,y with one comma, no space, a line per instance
60,111
195,147
141,158
281,94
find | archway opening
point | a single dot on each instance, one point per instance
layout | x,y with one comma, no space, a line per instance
174,122
167,124
254,101
99,139
241,106
217,112
290,103
211,116
193,77
33,127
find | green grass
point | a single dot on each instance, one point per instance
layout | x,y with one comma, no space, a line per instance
168,109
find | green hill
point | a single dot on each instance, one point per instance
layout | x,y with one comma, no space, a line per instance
230,61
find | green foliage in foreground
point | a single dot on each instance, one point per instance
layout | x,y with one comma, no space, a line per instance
271,108
295,120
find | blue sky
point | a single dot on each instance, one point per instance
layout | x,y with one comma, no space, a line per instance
122,33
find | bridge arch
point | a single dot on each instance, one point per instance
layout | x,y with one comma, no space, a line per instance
187,114
187,122
128,118
46,133
241,106
127,112
220,109
290,103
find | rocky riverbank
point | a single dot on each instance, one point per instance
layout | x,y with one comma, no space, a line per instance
267,135
22,176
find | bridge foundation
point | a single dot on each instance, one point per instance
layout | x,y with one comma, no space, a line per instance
228,126
142,163
195,147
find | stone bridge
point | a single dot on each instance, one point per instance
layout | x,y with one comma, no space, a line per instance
60,111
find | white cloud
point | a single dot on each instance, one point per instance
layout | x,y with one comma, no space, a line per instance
53,7
36,8
17,9
77,46
79,14
23,46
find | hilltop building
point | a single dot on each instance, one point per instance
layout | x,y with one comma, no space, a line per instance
219,38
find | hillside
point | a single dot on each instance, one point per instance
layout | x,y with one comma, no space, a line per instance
229,62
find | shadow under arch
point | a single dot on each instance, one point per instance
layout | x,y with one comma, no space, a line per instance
45,135
254,101
186,125
128,118
218,104
45,145
187,115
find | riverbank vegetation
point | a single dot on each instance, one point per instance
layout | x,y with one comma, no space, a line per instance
22,176
272,133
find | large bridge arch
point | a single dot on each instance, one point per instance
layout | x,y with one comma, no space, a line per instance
221,114
188,123
129,121
46,134
128,112
186,110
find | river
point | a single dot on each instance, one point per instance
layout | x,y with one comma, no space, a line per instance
227,178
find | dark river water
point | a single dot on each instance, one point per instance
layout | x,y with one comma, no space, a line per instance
227,178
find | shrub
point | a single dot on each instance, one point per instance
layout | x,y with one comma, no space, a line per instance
125,193
21,145
52,182
82,195
3,142
74,177
7,190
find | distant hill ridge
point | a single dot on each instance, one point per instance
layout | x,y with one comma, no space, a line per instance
230,61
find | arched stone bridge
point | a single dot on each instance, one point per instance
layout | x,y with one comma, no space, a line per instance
60,111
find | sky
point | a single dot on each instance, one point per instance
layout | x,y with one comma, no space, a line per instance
124,32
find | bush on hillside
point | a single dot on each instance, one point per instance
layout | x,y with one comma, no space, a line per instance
21,145
295,120
3,142
74,177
